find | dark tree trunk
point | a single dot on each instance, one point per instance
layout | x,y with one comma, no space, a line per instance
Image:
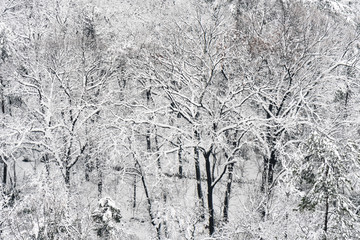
268,178
163,223
87,168
67,177
211,212
268,172
134,191
4,180
9,106
2,95
264,174
326,217
198,175
100,177
269,162
209,193
286,226
227,193
2,104
180,171
158,160
15,177
47,165
158,231
148,142
198,179
272,164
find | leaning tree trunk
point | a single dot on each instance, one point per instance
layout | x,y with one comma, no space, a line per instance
150,211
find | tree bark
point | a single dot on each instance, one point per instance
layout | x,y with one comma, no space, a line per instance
67,177
47,165
134,191
148,142
180,171
87,168
158,231
2,95
3,98
268,171
198,175
272,164
158,160
3,105
15,177
100,177
264,174
3,111
326,217
4,180
163,223
227,193
209,193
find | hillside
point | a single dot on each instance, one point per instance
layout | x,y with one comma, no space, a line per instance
224,119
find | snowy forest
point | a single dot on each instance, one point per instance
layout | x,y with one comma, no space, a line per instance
179,119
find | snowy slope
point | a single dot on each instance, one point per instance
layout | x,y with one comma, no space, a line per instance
349,9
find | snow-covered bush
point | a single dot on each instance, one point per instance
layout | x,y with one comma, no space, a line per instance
106,216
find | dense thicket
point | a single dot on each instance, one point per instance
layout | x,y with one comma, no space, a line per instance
179,119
